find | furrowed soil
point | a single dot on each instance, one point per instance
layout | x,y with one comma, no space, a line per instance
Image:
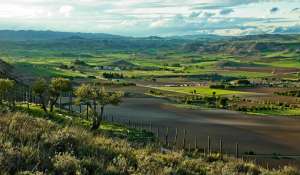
260,134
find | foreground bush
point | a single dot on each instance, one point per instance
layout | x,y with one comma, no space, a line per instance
37,146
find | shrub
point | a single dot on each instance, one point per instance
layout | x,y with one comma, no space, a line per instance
26,129
217,86
67,140
189,166
124,164
91,166
13,160
247,168
66,164
213,158
113,75
289,171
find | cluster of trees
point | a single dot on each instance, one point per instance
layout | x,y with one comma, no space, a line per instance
79,62
217,86
5,86
211,101
261,108
295,93
49,92
235,84
155,92
90,95
113,75
64,66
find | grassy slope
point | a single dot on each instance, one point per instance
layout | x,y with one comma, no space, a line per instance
30,145
45,70
113,129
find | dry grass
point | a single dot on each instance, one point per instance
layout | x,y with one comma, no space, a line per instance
37,146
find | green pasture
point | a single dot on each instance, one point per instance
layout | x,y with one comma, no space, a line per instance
283,112
205,91
286,63
45,70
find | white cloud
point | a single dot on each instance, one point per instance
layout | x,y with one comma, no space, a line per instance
148,17
159,23
15,11
66,10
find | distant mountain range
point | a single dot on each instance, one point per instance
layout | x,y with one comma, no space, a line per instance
24,35
50,35
67,42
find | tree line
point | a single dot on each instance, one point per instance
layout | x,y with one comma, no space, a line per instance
49,92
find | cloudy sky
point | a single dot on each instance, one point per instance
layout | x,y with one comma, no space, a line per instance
153,17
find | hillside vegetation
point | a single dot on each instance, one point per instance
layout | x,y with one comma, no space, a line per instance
38,146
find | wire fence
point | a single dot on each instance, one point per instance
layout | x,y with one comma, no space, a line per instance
169,138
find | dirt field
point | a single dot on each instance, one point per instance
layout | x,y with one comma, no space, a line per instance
263,135
263,69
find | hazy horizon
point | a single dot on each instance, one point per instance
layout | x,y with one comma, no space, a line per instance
153,17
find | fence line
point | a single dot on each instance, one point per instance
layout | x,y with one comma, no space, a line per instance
168,137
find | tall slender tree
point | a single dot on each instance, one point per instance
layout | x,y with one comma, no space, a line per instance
57,87
94,96
41,89
5,86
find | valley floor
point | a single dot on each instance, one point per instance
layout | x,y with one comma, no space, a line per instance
260,134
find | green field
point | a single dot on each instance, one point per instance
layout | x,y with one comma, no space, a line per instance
44,70
205,91
285,112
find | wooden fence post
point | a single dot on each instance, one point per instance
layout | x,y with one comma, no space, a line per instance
208,146
59,103
87,111
184,135
196,143
175,137
27,99
80,109
237,150
70,102
221,148
166,137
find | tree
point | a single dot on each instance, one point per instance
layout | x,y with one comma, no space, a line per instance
214,93
223,102
57,87
104,98
84,94
243,82
49,93
93,96
5,86
41,89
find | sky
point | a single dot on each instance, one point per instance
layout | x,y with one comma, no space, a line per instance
153,17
